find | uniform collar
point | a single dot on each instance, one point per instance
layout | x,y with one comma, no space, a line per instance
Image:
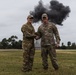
45,24
29,23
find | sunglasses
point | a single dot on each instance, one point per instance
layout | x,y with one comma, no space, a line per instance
44,17
31,18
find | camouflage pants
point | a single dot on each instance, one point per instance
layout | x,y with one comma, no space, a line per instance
49,50
28,57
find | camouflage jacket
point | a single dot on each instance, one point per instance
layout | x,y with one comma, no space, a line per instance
48,33
28,35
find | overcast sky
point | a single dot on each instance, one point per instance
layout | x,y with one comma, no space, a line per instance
13,15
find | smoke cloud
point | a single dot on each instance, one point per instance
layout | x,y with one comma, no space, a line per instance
56,12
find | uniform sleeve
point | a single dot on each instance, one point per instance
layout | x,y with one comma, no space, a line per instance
26,32
38,33
55,30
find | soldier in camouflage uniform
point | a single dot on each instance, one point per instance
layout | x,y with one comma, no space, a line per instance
28,44
47,31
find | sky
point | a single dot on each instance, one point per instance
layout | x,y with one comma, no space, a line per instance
13,14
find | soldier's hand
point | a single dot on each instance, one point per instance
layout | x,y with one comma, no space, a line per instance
36,33
57,45
37,37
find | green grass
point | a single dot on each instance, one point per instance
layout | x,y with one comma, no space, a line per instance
11,63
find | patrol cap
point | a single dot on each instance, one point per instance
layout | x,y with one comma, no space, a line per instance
30,16
44,15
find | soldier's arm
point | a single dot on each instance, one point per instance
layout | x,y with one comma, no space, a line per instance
55,30
26,33
38,34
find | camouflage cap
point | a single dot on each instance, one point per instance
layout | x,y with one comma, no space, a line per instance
44,15
30,16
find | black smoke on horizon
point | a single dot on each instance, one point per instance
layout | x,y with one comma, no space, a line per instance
56,12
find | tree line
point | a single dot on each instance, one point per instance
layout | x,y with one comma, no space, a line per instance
13,43
69,45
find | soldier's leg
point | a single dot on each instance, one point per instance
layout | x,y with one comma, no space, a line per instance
44,54
31,58
52,54
25,59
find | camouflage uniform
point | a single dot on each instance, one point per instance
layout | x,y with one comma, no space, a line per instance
28,46
47,34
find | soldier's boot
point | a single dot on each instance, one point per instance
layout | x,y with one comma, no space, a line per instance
30,68
45,68
45,65
25,70
55,65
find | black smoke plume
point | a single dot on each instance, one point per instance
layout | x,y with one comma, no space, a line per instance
56,12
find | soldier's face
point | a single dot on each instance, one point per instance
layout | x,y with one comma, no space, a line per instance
30,20
45,19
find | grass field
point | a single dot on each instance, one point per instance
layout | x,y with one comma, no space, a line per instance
11,63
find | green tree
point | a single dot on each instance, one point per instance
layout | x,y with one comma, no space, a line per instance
63,46
73,46
4,43
12,41
68,43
